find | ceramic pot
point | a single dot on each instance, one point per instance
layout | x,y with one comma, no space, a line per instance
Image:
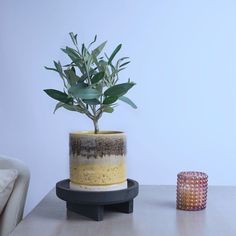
97,161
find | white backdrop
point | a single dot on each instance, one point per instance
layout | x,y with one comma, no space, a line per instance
184,62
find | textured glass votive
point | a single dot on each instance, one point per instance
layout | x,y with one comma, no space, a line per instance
191,191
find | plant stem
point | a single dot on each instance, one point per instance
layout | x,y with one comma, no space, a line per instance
95,123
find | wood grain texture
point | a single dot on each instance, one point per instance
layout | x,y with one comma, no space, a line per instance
154,214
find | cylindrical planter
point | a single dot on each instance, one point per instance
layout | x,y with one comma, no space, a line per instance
97,161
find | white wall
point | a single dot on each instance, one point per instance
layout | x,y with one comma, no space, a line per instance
183,60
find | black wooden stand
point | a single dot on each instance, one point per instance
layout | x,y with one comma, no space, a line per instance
92,204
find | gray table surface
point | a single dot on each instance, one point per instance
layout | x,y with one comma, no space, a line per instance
154,214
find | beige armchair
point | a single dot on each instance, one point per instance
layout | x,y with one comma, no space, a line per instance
13,211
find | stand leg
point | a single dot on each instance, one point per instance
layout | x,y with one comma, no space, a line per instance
95,212
126,207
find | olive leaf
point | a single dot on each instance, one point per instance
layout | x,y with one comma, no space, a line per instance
58,95
108,109
119,89
110,100
128,101
93,101
114,53
97,77
83,93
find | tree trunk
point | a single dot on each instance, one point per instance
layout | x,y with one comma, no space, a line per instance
96,129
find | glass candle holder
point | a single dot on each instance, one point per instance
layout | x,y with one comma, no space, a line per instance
191,190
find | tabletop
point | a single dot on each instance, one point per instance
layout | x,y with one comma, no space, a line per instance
154,214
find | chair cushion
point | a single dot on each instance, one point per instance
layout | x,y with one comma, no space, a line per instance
7,180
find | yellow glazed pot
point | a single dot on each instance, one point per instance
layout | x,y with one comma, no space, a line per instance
97,161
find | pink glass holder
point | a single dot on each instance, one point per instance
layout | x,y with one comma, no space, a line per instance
191,190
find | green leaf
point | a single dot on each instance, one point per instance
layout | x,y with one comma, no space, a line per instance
128,101
58,66
71,108
72,78
108,109
73,55
106,56
98,49
73,38
49,68
68,107
119,89
89,60
59,105
114,53
97,62
122,58
83,49
126,63
84,93
58,95
110,100
97,77
95,38
91,101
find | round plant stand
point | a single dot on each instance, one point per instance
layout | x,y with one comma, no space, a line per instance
92,204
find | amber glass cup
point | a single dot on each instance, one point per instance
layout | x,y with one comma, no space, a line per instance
191,190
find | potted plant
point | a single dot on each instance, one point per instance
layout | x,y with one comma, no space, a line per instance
91,87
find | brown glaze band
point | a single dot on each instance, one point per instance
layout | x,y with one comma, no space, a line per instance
94,145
